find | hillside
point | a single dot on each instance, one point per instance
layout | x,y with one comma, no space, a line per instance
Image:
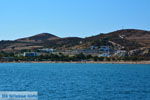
128,39
139,36
39,38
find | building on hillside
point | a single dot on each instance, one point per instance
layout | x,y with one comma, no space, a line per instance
120,53
104,49
104,55
93,47
88,52
84,51
48,50
134,52
30,54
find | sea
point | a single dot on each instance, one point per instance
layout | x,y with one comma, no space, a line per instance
73,81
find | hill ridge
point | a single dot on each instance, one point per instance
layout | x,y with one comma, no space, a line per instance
128,38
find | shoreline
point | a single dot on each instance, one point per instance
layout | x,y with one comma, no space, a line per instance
84,62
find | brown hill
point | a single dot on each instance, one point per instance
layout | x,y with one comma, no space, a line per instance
128,39
39,38
63,43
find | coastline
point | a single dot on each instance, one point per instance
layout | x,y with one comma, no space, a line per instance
90,62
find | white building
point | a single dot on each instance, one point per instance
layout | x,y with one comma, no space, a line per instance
104,48
30,54
47,50
104,55
120,53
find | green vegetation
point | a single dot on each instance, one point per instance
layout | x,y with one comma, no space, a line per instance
78,57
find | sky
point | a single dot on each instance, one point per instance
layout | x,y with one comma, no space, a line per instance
76,18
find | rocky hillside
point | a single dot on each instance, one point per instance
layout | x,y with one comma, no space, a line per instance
128,39
139,36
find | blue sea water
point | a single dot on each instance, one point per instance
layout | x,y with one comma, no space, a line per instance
78,81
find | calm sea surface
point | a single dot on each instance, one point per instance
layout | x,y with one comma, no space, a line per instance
78,81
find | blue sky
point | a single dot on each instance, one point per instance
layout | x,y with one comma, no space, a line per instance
64,18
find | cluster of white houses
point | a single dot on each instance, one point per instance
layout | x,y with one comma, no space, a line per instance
103,51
